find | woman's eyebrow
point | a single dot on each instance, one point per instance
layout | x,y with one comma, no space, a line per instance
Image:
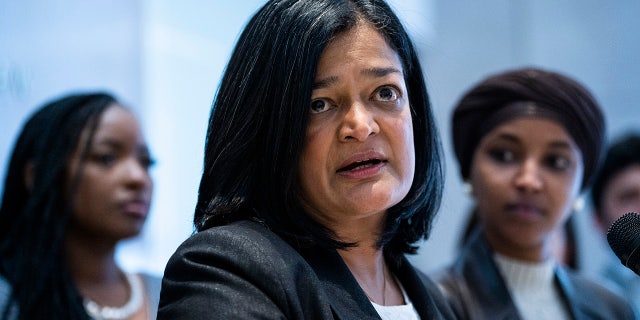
560,144
379,72
108,142
325,82
556,144
374,72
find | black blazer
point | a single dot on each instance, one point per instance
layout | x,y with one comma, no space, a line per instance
475,289
245,271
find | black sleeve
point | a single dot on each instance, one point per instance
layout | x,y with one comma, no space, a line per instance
217,275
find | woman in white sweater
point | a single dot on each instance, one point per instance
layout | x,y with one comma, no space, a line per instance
527,142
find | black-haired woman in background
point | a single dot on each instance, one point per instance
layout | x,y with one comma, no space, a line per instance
527,143
78,182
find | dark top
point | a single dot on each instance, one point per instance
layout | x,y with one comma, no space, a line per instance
475,289
245,271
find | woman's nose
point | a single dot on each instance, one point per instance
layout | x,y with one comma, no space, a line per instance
358,123
136,174
528,177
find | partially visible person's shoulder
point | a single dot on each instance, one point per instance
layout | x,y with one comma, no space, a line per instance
5,296
252,241
449,281
594,295
5,290
152,282
152,285
213,267
241,235
591,286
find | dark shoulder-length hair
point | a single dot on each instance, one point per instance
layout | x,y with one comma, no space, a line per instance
259,118
35,213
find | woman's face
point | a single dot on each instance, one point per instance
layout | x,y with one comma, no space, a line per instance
621,195
358,159
114,192
525,175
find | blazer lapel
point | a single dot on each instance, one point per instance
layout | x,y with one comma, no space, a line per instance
567,289
485,281
415,287
346,298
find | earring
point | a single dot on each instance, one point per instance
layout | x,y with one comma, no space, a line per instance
467,188
578,204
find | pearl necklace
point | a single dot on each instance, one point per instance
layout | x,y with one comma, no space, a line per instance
98,312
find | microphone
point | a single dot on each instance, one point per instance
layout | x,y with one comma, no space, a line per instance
624,239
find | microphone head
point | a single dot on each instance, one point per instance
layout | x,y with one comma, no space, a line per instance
624,239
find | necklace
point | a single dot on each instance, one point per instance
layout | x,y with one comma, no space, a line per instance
98,312
384,288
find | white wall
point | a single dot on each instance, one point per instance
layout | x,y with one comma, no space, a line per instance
48,48
185,47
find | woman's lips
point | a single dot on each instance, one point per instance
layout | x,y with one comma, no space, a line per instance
361,158
366,170
136,208
362,165
525,210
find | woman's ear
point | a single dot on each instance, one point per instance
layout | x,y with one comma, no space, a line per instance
29,173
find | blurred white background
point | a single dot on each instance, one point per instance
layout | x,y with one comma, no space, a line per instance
164,59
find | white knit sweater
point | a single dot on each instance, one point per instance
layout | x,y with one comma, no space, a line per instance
532,288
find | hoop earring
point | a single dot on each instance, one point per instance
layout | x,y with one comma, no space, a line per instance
578,204
467,188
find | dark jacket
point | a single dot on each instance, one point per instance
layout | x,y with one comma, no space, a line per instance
475,289
245,271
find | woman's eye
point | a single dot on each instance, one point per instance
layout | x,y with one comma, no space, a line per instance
319,105
146,161
558,163
386,94
502,155
105,159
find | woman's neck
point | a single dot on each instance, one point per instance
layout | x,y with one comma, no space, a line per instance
95,272
91,258
370,270
538,252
